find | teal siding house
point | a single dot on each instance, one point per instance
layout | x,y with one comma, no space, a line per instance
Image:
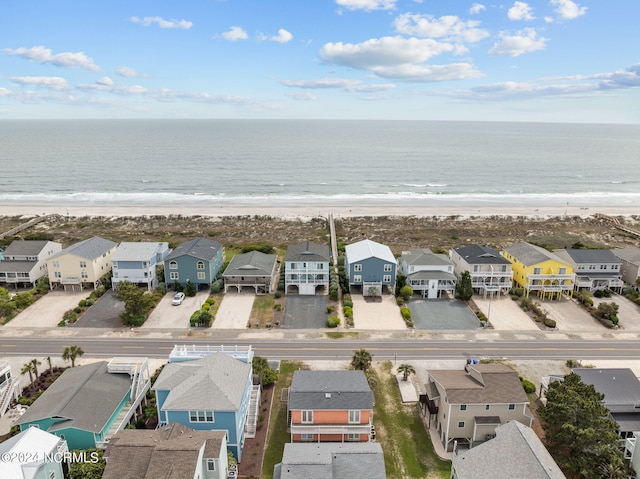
213,392
198,260
370,267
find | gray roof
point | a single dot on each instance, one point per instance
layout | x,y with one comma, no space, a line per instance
91,248
253,263
368,249
25,248
477,254
619,385
8,266
443,275
200,248
530,254
331,461
630,254
588,256
213,383
337,390
138,251
307,251
86,396
426,257
515,452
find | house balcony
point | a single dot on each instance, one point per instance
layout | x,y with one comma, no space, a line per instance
629,445
70,280
551,277
307,271
322,429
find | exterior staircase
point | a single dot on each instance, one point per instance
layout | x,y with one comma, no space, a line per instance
254,411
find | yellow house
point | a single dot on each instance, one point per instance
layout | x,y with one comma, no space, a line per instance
540,271
81,265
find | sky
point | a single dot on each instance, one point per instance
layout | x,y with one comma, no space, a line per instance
542,61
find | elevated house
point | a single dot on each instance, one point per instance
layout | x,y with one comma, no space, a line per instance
255,270
137,263
515,451
370,267
210,388
33,454
9,388
491,274
330,406
539,271
630,267
307,268
468,405
23,263
428,273
81,265
198,261
331,461
172,451
88,404
595,269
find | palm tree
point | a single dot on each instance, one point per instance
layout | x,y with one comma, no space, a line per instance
361,360
406,370
70,353
49,361
28,368
35,364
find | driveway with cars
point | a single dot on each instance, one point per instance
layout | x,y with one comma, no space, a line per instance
165,315
48,311
234,311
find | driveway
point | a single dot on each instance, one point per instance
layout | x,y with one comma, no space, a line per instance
47,312
376,315
234,311
570,316
506,314
167,316
105,313
305,312
628,311
442,314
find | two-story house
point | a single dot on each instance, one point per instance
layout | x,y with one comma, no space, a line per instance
137,262
82,264
490,272
467,406
255,270
370,267
198,261
9,387
307,268
630,268
428,273
24,262
172,451
539,271
330,406
595,269
33,454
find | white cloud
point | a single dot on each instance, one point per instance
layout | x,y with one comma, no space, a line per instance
303,96
568,9
106,81
520,11
449,27
429,73
41,54
108,86
235,34
128,72
524,41
367,5
476,8
50,83
283,36
4,92
337,83
162,23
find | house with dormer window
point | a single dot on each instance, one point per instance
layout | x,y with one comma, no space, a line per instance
198,261
307,268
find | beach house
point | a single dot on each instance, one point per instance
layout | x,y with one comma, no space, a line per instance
137,263
630,268
198,261
539,271
9,387
490,272
307,268
33,454
428,273
81,265
595,269
255,270
370,268
24,262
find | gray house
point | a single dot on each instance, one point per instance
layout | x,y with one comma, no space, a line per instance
24,262
254,269
307,268
490,272
136,262
370,267
428,273
630,269
595,269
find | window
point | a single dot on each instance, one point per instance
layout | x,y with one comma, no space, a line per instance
463,407
357,278
354,417
487,407
173,265
603,266
306,437
537,270
353,437
200,265
83,264
174,275
512,407
387,268
386,278
200,416
460,423
357,267
115,265
307,417
211,465
56,264
562,271
503,268
84,275
57,274
476,268
201,275
320,266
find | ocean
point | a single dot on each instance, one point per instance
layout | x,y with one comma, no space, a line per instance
299,163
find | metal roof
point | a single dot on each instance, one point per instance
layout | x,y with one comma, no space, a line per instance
368,249
91,248
138,251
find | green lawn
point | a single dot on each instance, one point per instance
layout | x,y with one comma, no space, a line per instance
262,311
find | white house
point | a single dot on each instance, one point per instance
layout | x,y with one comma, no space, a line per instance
136,263
428,273
24,262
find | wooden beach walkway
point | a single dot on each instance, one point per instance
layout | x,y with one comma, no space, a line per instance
27,225
616,224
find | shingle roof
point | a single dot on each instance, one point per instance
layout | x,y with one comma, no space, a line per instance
307,251
368,249
619,385
137,251
500,385
337,390
213,383
515,452
581,256
425,257
331,461
530,254
90,248
478,254
171,452
253,263
86,395
200,248
25,248
630,254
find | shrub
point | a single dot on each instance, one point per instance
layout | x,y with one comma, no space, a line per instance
135,320
89,302
23,300
481,316
333,322
346,297
406,292
608,323
277,307
277,295
549,323
528,386
210,301
347,303
82,303
519,292
162,287
206,307
216,286
71,316
406,313
348,312
333,294
78,309
399,300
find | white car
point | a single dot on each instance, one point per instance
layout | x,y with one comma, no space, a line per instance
178,299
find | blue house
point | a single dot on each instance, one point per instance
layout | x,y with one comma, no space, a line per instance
198,260
136,262
210,389
370,266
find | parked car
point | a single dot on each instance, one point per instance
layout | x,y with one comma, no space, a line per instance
178,299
